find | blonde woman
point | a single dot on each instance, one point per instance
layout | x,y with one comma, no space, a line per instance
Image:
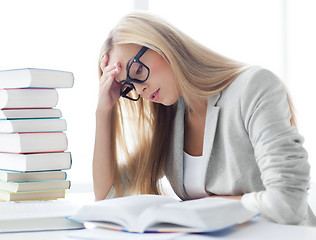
213,126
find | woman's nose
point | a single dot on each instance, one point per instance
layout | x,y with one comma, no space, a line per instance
140,87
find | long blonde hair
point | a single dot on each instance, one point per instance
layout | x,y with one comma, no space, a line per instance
141,131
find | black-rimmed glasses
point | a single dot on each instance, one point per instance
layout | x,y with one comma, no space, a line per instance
137,72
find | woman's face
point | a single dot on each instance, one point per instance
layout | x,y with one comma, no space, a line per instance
160,86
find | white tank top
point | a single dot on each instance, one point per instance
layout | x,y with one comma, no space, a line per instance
194,172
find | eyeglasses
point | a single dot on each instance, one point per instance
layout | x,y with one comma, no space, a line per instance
137,72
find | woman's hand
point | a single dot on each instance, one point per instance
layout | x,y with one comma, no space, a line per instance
229,197
109,88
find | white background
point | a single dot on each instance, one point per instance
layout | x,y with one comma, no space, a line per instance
67,35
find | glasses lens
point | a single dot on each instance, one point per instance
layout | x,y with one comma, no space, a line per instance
138,71
128,91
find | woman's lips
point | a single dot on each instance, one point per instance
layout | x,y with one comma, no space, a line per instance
155,96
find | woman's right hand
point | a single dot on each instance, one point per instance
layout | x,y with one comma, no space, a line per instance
109,88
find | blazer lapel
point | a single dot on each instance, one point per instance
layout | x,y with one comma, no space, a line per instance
177,162
209,134
210,125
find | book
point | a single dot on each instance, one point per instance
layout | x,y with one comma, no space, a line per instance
26,186
28,98
105,234
11,176
156,213
32,125
35,161
38,224
28,196
35,78
30,113
37,216
257,229
33,142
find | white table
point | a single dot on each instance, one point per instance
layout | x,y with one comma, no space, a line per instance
258,230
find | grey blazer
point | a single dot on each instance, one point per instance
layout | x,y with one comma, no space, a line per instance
252,148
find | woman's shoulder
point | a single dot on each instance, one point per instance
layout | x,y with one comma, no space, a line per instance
254,80
259,77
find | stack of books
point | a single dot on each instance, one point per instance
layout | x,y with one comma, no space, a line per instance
33,143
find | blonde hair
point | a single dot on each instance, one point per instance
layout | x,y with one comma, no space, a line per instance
199,73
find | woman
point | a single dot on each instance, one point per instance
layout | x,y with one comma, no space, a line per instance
211,125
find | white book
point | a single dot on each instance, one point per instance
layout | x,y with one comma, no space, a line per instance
37,216
156,213
9,176
32,125
38,224
28,98
35,161
31,196
35,78
30,113
33,142
34,185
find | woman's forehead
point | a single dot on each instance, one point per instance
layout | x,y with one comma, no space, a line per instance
123,53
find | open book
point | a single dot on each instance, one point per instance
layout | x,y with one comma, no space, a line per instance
156,213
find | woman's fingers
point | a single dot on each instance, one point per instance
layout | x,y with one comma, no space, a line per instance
104,62
109,88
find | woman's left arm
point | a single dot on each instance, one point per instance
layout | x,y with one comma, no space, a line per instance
278,150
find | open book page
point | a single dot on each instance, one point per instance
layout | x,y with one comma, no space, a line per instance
201,215
123,212
153,213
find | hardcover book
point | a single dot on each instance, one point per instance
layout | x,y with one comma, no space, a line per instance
32,125
30,113
33,142
35,78
28,98
35,161
27,196
34,185
11,176
37,216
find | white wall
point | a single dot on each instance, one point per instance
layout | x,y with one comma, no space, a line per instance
301,70
64,35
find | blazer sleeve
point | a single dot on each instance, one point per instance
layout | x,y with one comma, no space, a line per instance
278,151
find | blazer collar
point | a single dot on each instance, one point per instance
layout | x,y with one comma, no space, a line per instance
209,133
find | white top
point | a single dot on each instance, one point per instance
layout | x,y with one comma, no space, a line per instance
194,175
